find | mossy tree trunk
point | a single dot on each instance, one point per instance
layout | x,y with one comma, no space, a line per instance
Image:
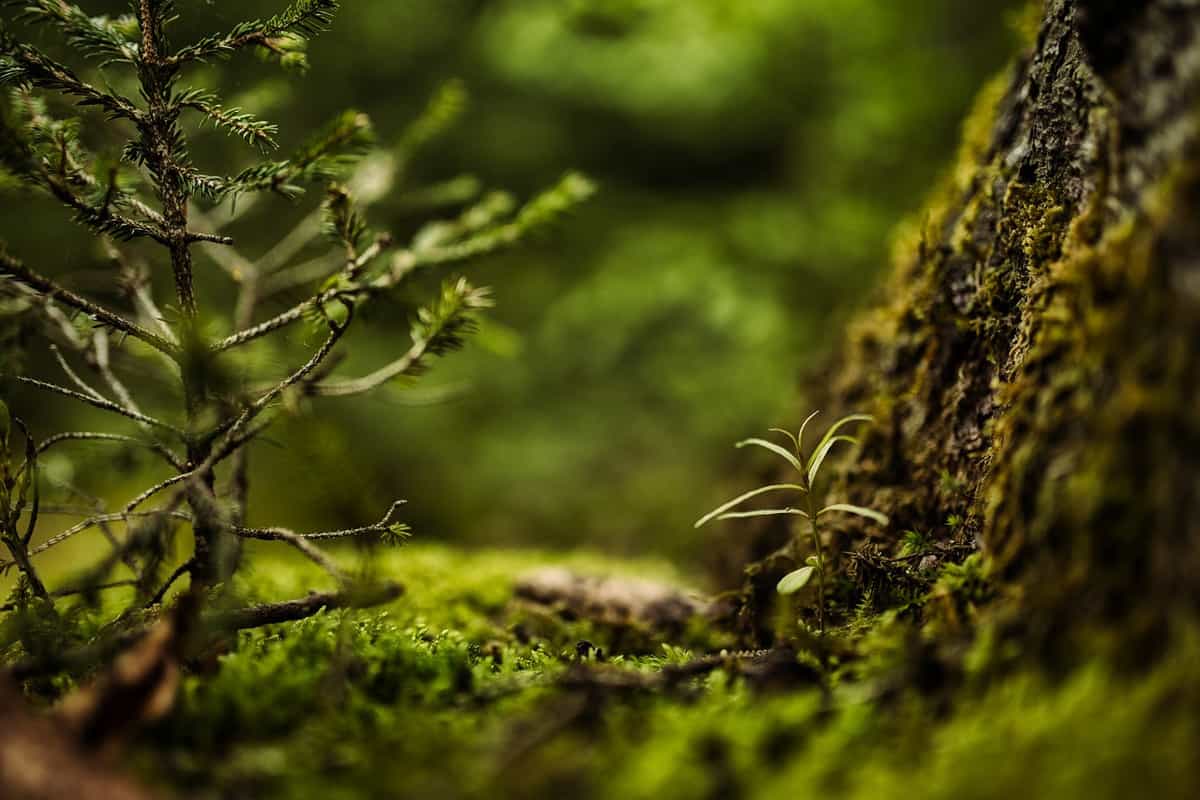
1035,368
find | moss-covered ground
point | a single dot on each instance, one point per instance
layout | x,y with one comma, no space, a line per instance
457,690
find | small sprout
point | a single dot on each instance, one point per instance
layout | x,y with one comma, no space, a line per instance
809,469
949,483
396,534
914,542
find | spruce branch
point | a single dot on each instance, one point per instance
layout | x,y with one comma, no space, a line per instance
323,158
479,232
46,152
94,37
475,233
445,107
439,329
23,65
240,123
387,528
303,19
162,149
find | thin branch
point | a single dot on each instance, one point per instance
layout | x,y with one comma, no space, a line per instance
301,543
300,275
135,281
158,487
51,290
355,266
104,367
375,379
257,407
293,314
75,379
18,545
179,572
211,238
277,258
89,436
381,527
218,454
100,519
104,405
304,607
304,18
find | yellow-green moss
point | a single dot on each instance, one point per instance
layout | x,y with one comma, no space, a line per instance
413,703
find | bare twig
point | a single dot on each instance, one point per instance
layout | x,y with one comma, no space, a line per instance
292,610
259,405
99,519
104,367
296,540
178,573
75,379
375,379
104,405
380,527
89,436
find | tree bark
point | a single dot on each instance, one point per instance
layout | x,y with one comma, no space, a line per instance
1033,365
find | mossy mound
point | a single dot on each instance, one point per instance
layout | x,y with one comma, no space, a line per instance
456,690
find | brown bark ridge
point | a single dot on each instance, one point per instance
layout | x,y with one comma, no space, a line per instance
1033,366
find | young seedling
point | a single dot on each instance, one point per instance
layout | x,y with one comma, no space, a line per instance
808,466
159,217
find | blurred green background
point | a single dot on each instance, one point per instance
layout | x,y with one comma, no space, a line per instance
752,159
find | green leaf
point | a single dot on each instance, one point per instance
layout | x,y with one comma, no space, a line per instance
710,516
869,513
791,437
795,581
804,427
835,427
776,449
764,512
818,458
5,424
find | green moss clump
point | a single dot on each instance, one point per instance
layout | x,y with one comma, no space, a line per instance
437,697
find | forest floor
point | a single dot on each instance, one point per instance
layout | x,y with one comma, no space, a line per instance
475,685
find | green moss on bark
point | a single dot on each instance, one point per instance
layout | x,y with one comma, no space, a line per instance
1034,365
